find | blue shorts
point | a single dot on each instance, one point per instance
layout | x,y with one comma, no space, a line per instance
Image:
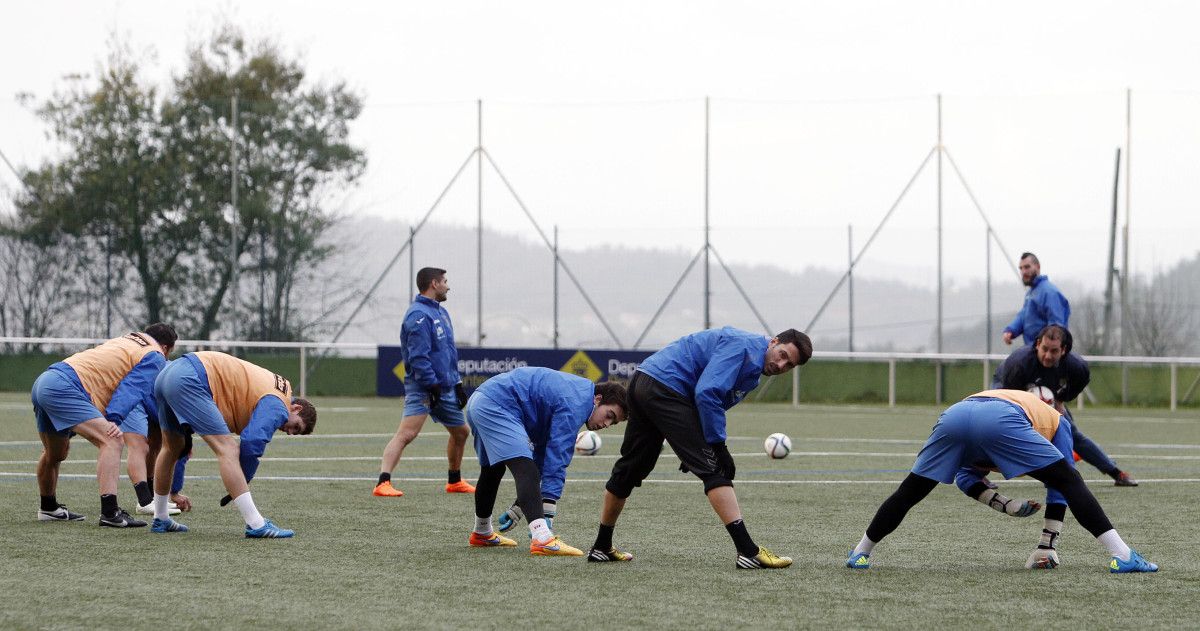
499,433
60,403
992,431
136,422
184,398
447,412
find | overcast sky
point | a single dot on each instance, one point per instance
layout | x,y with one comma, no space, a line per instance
820,114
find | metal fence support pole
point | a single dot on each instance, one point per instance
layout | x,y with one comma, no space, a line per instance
303,372
987,369
1174,386
892,383
938,375
795,388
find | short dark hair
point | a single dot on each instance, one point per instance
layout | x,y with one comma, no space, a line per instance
426,276
162,333
308,414
800,341
1030,255
1055,332
613,393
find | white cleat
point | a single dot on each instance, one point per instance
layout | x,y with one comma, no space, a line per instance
148,509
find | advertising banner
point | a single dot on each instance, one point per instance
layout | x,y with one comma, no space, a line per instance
476,365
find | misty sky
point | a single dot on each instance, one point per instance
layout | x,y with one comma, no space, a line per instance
820,114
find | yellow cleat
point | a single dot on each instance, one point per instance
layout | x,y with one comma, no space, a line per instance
491,541
765,559
462,486
554,547
385,489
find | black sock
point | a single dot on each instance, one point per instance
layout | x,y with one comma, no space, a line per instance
108,505
604,538
144,495
384,477
49,503
741,538
454,475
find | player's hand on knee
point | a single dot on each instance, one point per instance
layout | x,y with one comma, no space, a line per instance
510,518
112,430
1042,559
435,396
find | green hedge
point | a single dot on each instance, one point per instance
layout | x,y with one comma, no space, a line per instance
822,381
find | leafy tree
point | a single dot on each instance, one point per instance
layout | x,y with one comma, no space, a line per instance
152,174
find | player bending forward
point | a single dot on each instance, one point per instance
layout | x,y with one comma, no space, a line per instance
526,421
221,398
1016,433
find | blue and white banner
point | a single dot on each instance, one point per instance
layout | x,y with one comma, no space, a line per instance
476,365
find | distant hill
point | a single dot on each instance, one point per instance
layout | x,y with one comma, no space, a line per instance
629,285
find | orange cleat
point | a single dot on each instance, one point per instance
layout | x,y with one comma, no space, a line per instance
462,486
553,547
385,489
493,540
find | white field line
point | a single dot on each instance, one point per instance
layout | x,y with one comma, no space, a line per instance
814,454
688,480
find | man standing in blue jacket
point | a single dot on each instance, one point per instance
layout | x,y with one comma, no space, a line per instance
1044,304
526,421
432,386
681,394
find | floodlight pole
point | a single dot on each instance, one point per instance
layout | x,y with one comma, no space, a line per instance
987,328
939,247
1125,245
850,280
412,261
556,286
234,220
707,243
479,226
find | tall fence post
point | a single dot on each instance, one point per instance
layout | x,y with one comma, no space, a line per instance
892,382
303,372
1174,386
795,388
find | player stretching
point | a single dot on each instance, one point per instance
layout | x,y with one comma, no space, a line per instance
681,394
221,398
117,377
431,383
1015,432
526,421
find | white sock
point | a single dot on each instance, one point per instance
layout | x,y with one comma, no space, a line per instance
160,506
1115,544
483,525
865,546
539,531
250,514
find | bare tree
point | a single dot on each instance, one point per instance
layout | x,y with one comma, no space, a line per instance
1160,323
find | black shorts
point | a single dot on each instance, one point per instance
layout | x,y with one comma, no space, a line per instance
657,412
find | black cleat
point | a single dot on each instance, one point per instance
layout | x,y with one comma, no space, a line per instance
1124,479
59,514
596,555
121,520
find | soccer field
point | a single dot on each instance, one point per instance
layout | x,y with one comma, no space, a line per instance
364,562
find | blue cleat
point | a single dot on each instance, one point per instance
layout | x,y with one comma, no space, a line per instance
1135,564
269,531
858,561
167,525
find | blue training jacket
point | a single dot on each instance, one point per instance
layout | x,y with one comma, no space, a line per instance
427,341
715,368
553,406
1044,305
